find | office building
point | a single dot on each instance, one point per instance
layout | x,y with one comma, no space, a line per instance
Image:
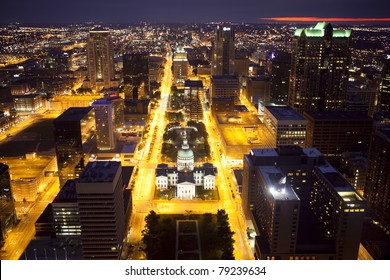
319,68
136,75
257,89
333,133
280,75
66,212
287,126
193,94
384,87
109,116
301,207
7,204
101,210
28,103
72,130
180,66
223,51
377,191
100,51
354,168
227,86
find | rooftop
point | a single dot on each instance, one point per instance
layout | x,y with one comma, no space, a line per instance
67,193
319,31
264,152
338,115
284,113
190,83
276,184
73,114
100,171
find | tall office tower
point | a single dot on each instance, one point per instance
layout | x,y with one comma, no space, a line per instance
66,212
384,88
280,75
101,210
72,130
301,207
193,94
180,66
223,51
100,51
109,116
136,75
319,68
227,86
377,190
333,133
7,204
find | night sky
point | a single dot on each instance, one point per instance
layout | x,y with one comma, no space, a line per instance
128,11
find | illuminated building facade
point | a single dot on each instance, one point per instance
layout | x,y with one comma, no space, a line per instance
180,66
193,94
319,68
72,129
28,103
7,204
135,75
301,207
101,210
101,71
377,190
384,88
109,116
333,133
287,126
227,86
223,51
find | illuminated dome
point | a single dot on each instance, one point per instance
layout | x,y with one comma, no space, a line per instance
185,158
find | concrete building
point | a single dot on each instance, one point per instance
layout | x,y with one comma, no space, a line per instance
319,68
101,210
223,51
101,71
301,207
30,103
136,75
72,130
257,89
180,66
280,75
227,86
286,125
109,116
354,168
193,94
335,132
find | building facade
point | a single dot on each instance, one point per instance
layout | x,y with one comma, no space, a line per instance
226,86
223,51
180,66
136,75
384,87
280,74
193,94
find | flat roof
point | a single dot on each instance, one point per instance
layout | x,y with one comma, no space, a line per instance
191,83
73,114
338,115
100,171
22,169
264,152
67,193
311,152
284,113
277,187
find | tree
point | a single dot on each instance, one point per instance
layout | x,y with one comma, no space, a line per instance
150,235
225,234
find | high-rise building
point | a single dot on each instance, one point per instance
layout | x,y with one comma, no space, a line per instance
223,51
109,116
301,207
280,75
319,68
66,212
333,133
100,51
7,204
72,130
377,190
354,168
227,86
101,210
286,125
193,94
384,88
180,66
135,75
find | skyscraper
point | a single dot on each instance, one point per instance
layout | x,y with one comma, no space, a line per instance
193,91
280,75
136,75
109,115
301,207
180,66
223,51
101,71
72,130
319,68
377,190
101,210
384,88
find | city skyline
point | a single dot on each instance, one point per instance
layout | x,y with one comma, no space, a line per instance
119,11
